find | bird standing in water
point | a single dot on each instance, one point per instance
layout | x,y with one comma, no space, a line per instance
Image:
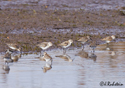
108,39
7,57
44,45
83,40
65,45
14,46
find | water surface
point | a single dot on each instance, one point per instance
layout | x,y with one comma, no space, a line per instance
86,71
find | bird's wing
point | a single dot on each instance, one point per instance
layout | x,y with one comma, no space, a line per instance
82,39
43,44
13,45
64,43
107,38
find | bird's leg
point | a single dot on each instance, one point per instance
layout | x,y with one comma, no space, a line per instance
21,51
93,49
64,51
41,53
83,47
107,45
6,63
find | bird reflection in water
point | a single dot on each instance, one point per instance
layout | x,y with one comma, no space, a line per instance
82,54
48,59
66,57
93,57
113,54
6,68
47,67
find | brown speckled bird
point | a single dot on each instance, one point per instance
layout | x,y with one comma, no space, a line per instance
7,57
47,57
108,39
83,40
14,46
65,44
44,45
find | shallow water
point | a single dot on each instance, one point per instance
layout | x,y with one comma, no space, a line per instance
84,72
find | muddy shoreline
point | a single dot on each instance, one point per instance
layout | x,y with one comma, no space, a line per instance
27,27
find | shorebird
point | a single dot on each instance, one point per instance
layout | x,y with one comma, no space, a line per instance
9,51
14,46
47,57
44,45
7,58
66,44
65,57
15,58
83,40
108,39
93,45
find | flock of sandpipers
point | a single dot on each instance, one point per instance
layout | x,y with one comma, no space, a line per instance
45,45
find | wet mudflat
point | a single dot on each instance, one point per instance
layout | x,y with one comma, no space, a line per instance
84,71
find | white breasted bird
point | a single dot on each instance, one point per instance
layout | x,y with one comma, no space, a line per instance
66,44
45,45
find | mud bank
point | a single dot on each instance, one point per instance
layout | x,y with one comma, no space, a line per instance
29,26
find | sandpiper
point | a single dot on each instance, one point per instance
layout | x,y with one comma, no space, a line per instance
108,39
45,45
9,51
93,45
14,46
47,57
66,44
7,58
15,58
83,40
